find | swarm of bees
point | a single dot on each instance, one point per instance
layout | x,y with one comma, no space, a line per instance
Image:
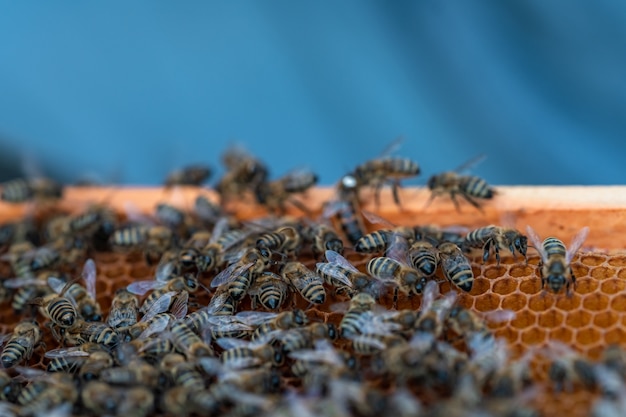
223,325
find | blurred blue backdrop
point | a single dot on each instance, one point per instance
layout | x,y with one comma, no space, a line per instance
131,90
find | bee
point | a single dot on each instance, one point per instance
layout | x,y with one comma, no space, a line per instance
207,211
374,242
20,190
554,267
207,250
274,194
269,322
155,318
424,257
72,359
84,297
217,318
101,398
124,309
153,240
58,308
359,304
181,372
284,240
305,337
340,273
467,186
568,368
387,170
321,365
309,285
495,237
244,173
374,334
322,238
28,288
455,266
241,274
346,210
82,332
9,388
137,372
189,175
270,290
240,354
25,338
187,342
465,322
46,392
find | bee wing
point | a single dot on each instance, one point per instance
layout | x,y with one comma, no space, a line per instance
157,326
392,147
336,258
89,275
231,342
142,287
218,229
398,249
430,294
376,219
499,316
159,306
164,271
30,373
228,323
56,284
23,282
302,281
577,242
134,214
64,352
333,271
254,318
471,163
217,302
180,305
230,274
537,243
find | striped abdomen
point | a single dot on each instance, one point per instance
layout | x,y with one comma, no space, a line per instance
476,187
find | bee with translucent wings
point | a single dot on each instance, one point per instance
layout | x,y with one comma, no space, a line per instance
555,265
275,194
309,284
240,274
240,354
270,290
469,187
26,336
340,273
83,297
345,210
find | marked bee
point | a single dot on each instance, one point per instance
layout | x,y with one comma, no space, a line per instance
309,285
26,336
496,238
189,175
455,266
555,266
346,210
469,187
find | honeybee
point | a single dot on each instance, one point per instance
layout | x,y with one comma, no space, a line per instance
240,274
319,364
270,290
137,372
384,170
309,285
124,309
153,240
467,186
274,194
305,337
555,265
187,342
181,372
455,266
346,209
20,190
269,322
244,173
82,332
359,304
374,334
71,359
9,388
59,309
433,310
466,323
25,338
27,289
208,249
207,211
189,175
284,240
322,238
155,318
495,237
424,257
101,398
569,368
240,354
46,392
84,297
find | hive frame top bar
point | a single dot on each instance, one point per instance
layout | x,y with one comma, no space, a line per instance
551,210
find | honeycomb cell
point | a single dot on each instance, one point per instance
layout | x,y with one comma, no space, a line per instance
520,271
587,336
504,286
602,272
493,271
605,319
514,302
612,286
533,336
568,302
487,302
617,260
551,318
530,286
595,302
562,334
580,270
621,273
615,336
577,319
541,302
141,272
586,285
480,286
618,303
510,334
592,259
524,319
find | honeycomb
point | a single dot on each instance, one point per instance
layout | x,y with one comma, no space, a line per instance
588,320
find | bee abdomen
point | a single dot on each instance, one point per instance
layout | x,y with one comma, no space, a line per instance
476,187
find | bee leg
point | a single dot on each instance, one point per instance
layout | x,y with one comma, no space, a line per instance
455,201
472,202
395,186
300,205
486,250
497,252
395,297
377,189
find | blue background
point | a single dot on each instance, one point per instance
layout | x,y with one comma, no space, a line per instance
130,90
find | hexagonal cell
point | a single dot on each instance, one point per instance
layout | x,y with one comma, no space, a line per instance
480,286
621,273
588,336
504,286
551,318
593,259
493,271
577,319
617,260
618,303
487,302
602,272
524,319
612,286
562,334
586,285
595,302
530,286
568,302
605,319
615,336
580,270
514,302
141,272
520,271
541,302
533,336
